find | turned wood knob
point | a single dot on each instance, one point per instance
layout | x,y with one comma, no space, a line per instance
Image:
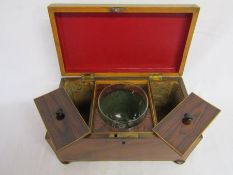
187,119
60,114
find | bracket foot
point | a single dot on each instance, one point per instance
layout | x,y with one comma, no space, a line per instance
180,162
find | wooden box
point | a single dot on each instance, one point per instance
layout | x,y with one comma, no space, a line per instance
145,45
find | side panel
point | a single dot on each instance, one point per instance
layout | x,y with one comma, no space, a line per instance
118,149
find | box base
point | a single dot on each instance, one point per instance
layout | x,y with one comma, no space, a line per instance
113,150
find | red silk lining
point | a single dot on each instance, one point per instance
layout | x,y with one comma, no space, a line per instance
125,42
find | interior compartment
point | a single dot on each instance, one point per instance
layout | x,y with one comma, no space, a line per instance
81,93
166,95
101,127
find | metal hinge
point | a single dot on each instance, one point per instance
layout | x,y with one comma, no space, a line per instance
84,79
156,76
87,76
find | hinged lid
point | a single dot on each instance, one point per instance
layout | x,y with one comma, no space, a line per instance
122,40
184,124
63,121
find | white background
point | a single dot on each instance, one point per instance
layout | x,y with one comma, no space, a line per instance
29,68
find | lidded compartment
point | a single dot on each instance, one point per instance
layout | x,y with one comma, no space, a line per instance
166,95
81,93
185,123
63,122
124,43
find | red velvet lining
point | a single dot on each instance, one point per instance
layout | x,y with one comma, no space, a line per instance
106,42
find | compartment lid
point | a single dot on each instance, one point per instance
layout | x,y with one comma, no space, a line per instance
62,120
125,40
185,123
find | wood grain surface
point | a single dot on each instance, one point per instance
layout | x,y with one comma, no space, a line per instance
62,132
179,135
103,149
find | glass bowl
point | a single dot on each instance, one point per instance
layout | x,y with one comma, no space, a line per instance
123,105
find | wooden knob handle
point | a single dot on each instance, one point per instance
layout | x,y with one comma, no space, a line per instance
60,114
187,119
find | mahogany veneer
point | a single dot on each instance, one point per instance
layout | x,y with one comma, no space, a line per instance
145,45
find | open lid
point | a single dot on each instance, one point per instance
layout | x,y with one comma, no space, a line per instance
62,119
185,123
123,40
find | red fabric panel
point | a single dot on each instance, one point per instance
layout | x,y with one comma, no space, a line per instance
106,42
